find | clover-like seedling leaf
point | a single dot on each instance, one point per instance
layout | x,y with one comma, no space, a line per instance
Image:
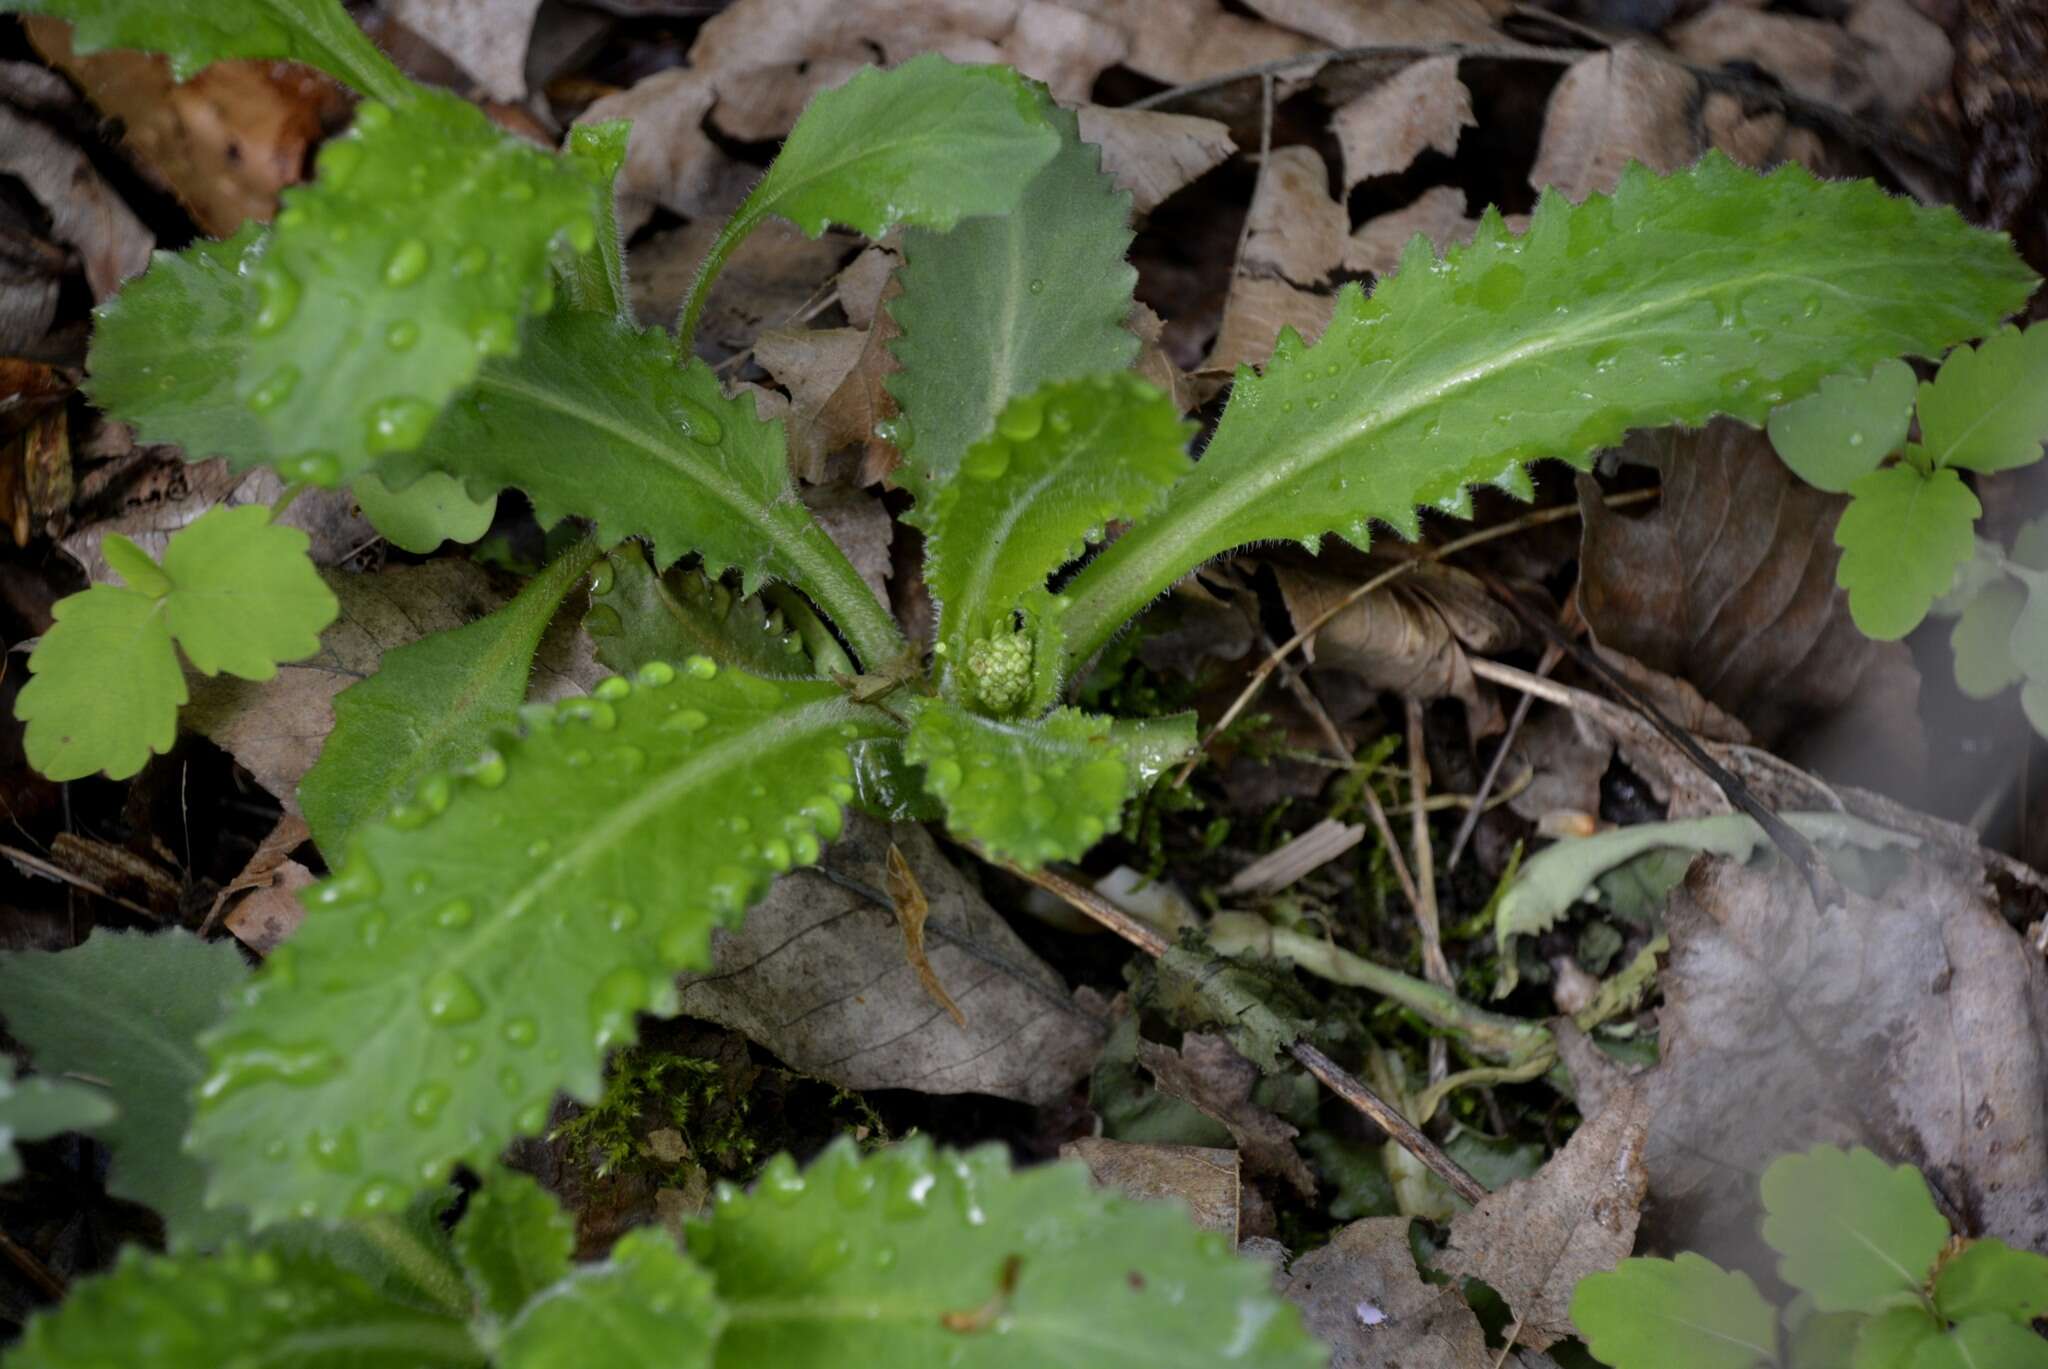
1844,430
244,596
1037,490
1711,291
645,1307
337,337
1855,1234
431,510
1902,538
1003,304
431,707
1989,1277
1982,640
237,1307
484,943
1686,1313
1987,408
36,1107
127,1009
1983,1343
194,33
1029,791
915,1256
514,1240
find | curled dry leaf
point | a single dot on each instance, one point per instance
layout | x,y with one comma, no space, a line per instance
1257,309
1914,1023
487,38
1625,104
837,399
1762,138
85,212
817,975
1152,153
911,910
1296,230
1907,54
1208,1072
270,912
1532,1241
1203,1178
1812,57
1362,1296
1422,106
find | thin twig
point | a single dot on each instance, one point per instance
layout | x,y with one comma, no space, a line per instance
1382,1113
1434,966
1523,703
36,1271
59,873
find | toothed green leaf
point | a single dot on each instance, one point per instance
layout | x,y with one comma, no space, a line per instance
1029,791
1902,538
645,1307
236,592
237,1307
484,943
1844,430
127,1009
1854,1233
1687,1313
514,1240
1000,306
1987,408
1989,1277
336,337
1059,464
639,615
659,452
431,510
1983,1343
432,706
194,33
1711,291
36,1107
1982,640
916,1257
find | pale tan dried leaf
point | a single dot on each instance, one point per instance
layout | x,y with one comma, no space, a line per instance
1153,363
771,280
1384,130
1359,23
1532,1241
164,494
1063,47
1362,1296
837,397
1307,852
1203,1178
858,522
1179,41
486,38
268,917
1438,215
817,975
911,911
1152,153
1810,57
261,869
85,212
1208,1072
1625,104
671,163
1907,54
1258,308
1297,229
862,282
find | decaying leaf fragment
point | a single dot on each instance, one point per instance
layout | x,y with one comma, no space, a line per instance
1209,1073
1362,1297
911,910
1424,105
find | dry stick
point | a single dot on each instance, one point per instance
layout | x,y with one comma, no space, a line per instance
1291,681
1308,630
59,873
1382,1113
37,1272
1434,966
1551,656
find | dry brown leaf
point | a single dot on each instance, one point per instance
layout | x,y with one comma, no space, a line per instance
1532,1241
487,38
1811,57
1208,1072
1625,104
1359,23
85,212
224,142
863,282
1438,215
1064,47
1296,229
911,910
769,281
1152,153
1203,1178
860,525
1153,363
1362,1297
817,975
1258,308
837,396
1181,41
267,917
1729,584
1907,54
671,163
1384,130
1914,1023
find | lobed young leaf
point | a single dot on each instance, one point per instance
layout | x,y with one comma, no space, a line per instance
1983,1343
1989,1278
1982,640
1034,492
1853,1233
127,1009
920,1257
661,453
1890,1339
639,615
1903,537
1711,291
36,1107
1843,430
237,1307
236,591
646,1307
432,706
1687,1313
195,33
431,510
926,144
1003,305
335,338
1987,408
483,944
514,1240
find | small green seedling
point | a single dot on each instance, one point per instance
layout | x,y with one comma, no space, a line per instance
1883,1284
